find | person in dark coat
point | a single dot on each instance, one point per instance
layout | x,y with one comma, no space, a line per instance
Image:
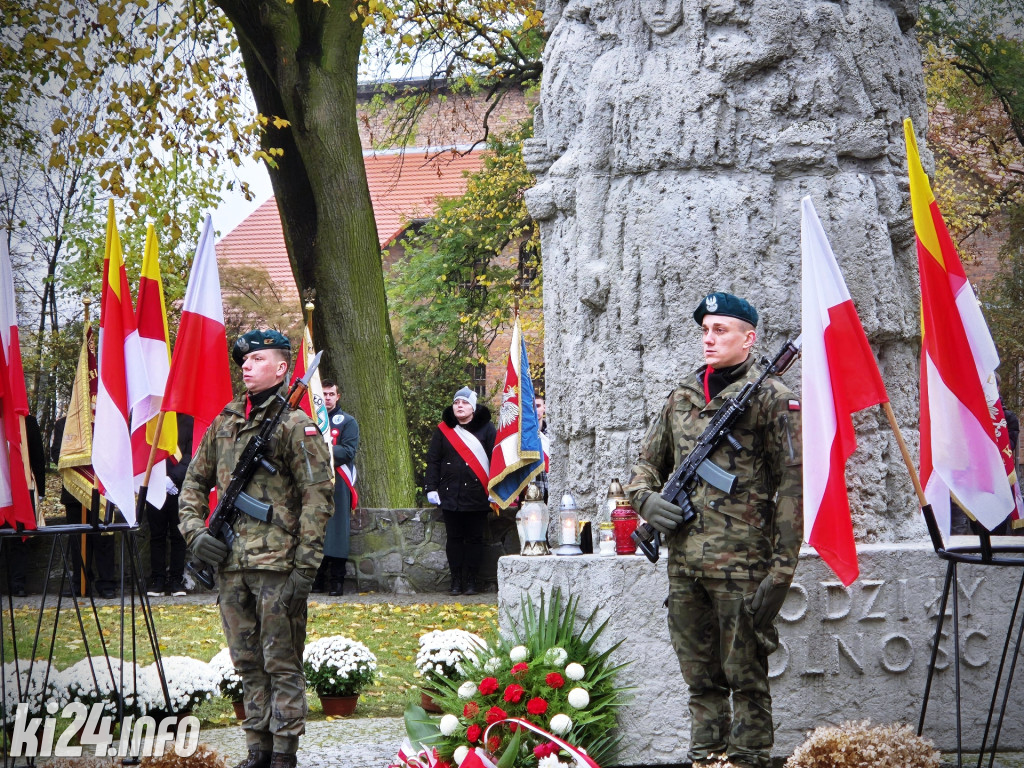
168,576
15,547
344,444
99,548
458,462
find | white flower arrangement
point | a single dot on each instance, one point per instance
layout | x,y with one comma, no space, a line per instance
493,665
230,681
92,681
338,666
575,671
190,682
442,652
27,679
579,698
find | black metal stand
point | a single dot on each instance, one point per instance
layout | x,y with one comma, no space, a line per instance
133,601
1009,555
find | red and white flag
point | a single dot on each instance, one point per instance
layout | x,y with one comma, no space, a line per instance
960,452
199,382
151,315
15,500
122,379
840,377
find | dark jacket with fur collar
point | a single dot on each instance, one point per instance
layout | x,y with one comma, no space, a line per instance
449,474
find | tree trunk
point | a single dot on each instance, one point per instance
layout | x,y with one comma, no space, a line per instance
301,61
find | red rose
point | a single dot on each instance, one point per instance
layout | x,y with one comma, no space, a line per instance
546,750
473,733
513,727
514,693
519,668
489,685
494,714
536,706
493,743
444,764
471,710
553,679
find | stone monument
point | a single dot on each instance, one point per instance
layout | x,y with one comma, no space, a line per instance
673,142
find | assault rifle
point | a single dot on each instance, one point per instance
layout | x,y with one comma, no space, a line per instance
698,465
235,500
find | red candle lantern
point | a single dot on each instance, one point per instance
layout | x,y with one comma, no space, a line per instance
624,520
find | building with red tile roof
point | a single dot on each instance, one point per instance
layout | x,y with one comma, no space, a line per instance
404,187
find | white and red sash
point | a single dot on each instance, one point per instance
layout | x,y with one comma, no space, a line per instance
470,449
346,472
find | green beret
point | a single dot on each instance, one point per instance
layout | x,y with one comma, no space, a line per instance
256,340
725,304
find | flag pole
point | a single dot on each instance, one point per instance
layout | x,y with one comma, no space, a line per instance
82,576
906,454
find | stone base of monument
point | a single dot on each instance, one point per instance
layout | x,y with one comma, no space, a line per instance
856,653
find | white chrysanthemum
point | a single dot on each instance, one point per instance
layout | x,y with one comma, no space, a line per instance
579,698
230,681
493,665
443,651
467,690
551,761
519,653
449,725
575,671
556,656
561,724
28,679
460,754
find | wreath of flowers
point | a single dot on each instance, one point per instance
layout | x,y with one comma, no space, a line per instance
230,681
547,673
338,666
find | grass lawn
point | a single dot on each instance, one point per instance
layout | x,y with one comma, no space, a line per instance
390,631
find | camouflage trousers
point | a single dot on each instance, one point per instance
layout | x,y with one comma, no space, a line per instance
266,635
721,654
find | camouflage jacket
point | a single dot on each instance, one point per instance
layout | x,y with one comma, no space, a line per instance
758,528
301,492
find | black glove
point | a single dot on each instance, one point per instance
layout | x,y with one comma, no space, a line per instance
767,601
296,589
664,516
209,548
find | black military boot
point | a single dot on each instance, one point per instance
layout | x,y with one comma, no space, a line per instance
257,758
281,760
470,585
456,588
337,588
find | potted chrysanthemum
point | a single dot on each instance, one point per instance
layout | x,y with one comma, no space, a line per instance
230,684
338,668
441,655
190,682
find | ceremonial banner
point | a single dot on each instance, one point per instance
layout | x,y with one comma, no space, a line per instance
151,315
122,380
840,377
959,451
199,382
75,463
518,455
312,403
15,500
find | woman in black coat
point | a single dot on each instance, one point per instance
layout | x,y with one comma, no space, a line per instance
458,461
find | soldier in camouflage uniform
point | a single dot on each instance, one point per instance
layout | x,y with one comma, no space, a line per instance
266,576
730,567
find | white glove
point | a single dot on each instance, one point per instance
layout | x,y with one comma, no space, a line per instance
172,489
434,498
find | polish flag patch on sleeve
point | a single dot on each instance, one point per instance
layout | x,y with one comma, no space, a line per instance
311,430
794,405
